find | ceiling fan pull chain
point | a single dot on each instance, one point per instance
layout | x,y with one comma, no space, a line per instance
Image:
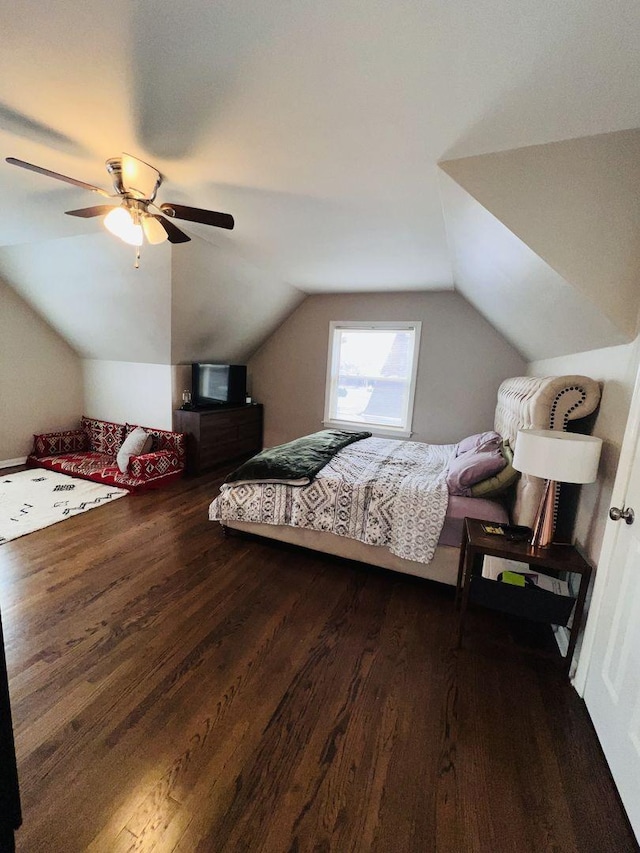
137,263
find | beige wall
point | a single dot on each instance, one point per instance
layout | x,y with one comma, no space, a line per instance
40,378
615,368
462,362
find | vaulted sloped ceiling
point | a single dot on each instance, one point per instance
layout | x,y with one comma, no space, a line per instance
179,306
319,126
533,306
223,307
570,214
89,292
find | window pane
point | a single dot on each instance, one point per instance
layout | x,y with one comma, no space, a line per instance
373,376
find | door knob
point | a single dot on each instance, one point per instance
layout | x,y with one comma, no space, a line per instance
627,513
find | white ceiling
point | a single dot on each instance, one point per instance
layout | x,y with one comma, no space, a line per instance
317,125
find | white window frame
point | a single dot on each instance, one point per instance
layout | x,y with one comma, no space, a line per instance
331,385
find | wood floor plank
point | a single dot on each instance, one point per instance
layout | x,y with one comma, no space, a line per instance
308,720
178,691
233,739
338,804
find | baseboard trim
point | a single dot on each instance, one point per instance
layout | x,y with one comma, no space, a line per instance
12,463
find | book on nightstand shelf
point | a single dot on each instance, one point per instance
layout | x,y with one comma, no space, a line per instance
511,571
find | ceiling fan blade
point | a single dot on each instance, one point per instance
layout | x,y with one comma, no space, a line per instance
139,178
174,234
197,214
49,174
88,212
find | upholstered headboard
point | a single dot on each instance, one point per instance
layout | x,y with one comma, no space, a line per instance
534,402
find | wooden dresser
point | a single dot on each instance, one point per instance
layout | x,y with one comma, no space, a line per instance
216,436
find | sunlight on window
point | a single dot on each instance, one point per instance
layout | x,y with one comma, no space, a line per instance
372,371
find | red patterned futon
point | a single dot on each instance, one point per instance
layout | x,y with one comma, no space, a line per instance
90,452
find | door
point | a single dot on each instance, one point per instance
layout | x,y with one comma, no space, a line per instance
612,685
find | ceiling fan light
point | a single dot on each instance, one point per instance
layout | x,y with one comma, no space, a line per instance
120,223
135,236
153,230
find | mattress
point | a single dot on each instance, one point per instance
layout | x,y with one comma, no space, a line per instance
442,568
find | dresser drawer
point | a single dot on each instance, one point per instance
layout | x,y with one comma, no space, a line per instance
220,435
252,432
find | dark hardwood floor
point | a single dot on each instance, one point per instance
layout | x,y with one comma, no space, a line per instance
174,690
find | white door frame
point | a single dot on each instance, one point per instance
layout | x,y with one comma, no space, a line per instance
623,472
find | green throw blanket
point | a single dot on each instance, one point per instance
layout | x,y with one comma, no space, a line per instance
297,462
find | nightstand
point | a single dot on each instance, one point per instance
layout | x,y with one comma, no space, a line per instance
527,603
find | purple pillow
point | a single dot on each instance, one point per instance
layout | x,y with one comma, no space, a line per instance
472,467
479,441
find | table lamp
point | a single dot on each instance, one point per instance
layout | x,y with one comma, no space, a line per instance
557,457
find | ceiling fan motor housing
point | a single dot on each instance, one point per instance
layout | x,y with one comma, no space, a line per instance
134,178
114,168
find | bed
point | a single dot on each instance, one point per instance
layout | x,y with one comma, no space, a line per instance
522,403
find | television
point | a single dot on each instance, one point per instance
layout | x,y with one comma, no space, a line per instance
218,385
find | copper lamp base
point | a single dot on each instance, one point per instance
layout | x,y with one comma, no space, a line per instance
543,522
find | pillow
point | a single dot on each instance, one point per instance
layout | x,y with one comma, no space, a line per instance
136,443
472,467
494,486
480,441
59,443
103,436
153,433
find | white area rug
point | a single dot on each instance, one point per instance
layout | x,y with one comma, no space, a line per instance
33,499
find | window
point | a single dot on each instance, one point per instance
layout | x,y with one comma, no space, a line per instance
371,376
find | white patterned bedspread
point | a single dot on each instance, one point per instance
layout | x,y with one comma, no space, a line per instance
378,491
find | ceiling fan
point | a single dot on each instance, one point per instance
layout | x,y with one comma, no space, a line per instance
136,184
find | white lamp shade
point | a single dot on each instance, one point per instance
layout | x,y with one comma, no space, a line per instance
119,222
561,456
153,230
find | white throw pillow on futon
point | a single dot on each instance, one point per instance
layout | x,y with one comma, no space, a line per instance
137,442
